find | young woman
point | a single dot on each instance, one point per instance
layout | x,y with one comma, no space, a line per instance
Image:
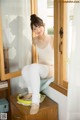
44,68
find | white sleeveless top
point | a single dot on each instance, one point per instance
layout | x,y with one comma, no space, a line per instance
46,55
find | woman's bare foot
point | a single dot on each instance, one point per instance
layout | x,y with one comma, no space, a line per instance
28,96
34,109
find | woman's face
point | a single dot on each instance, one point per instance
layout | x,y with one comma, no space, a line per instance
39,30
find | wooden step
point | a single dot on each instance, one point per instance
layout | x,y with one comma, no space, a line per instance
48,110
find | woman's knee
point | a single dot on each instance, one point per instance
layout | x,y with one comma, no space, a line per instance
24,70
34,67
30,69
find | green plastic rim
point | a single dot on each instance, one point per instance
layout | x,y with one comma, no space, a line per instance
27,102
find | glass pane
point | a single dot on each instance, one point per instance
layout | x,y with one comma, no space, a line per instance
15,28
47,14
70,17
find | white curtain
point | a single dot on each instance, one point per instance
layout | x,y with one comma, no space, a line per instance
15,16
74,75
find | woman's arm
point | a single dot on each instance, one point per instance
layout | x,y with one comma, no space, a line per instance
52,41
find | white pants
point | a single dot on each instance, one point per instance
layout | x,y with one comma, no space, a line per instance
31,75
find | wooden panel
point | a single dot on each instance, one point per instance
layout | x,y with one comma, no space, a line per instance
3,93
48,110
15,113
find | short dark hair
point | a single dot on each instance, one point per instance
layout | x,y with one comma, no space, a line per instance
36,21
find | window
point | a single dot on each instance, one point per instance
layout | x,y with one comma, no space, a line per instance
70,18
14,38
66,24
63,43
47,14
50,17
58,17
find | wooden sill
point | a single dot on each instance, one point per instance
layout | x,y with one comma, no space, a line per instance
65,84
59,88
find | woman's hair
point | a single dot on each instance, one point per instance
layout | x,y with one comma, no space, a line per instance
36,21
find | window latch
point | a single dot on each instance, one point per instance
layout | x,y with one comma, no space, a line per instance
61,32
60,44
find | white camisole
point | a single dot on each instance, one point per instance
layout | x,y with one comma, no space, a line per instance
46,55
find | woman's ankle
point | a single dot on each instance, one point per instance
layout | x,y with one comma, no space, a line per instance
34,108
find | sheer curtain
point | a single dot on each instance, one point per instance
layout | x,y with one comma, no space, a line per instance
74,75
15,16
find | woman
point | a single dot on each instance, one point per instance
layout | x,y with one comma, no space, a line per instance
44,68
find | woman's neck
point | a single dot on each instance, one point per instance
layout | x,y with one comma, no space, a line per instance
42,38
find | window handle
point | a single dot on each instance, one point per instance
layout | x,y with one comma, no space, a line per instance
60,44
61,32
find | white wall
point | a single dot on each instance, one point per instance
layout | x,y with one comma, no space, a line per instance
60,99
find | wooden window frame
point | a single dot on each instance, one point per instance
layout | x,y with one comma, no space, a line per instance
3,75
60,83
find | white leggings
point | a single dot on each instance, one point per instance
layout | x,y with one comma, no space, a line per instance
31,75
